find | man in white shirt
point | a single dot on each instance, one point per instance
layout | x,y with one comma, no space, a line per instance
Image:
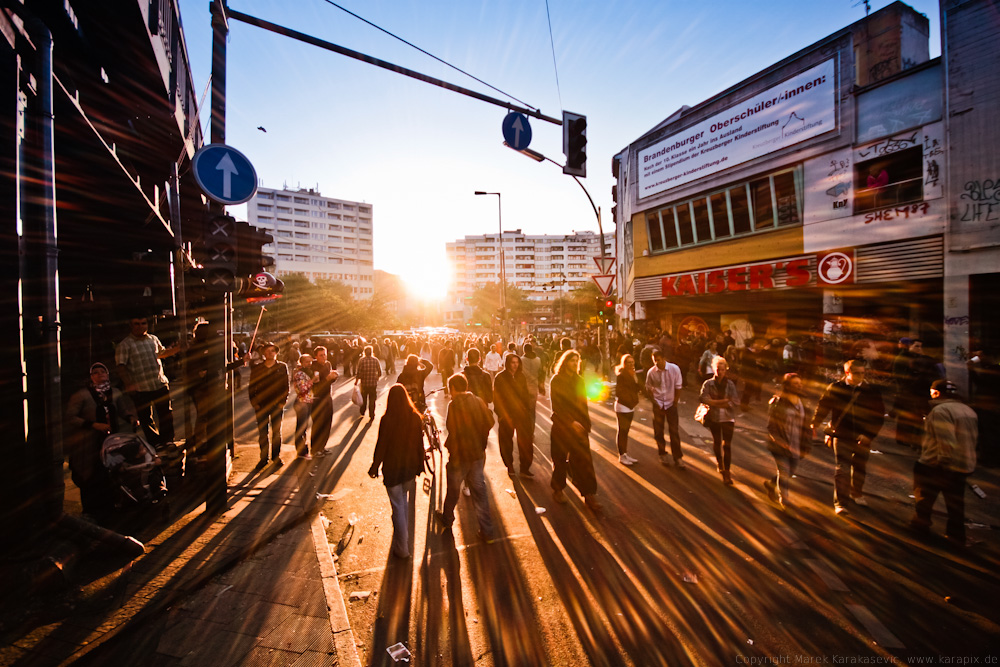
663,382
493,363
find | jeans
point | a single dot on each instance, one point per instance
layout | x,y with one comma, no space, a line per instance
368,395
670,415
302,411
322,419
849,474
786,466
402,497
525,443
624,424
471,472
928,482
572,453
269,414
722,443
145,402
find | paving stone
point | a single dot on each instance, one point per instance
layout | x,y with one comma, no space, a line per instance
316,659
296,633
269,657
223,649
178,640
261,618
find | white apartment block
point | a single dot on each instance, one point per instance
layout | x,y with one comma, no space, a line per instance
320,237
545,266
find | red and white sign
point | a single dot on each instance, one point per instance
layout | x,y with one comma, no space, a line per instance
604,283
793,272
835,267
604,264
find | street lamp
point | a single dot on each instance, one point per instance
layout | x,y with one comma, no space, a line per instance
503,271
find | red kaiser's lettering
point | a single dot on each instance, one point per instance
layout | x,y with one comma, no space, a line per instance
760,276
738,279
668,286
685,285
716,282
798,273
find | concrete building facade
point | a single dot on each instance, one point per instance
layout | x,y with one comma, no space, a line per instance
320,237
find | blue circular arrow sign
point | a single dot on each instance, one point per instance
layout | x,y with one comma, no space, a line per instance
224,174
516,130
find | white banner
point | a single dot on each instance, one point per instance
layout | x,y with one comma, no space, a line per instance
793,111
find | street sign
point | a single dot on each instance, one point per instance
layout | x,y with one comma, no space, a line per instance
604,264
224,174
516,130
604,283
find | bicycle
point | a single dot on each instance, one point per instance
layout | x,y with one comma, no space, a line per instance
433,436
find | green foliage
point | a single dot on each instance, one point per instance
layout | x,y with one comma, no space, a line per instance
485,303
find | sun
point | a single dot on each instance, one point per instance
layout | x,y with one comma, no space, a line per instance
428,280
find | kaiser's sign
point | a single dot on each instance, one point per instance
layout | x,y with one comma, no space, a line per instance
793,111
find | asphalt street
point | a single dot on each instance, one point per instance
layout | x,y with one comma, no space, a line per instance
677,569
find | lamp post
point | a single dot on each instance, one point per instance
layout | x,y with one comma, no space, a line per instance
503,271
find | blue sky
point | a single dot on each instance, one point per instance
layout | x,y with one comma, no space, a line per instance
417,152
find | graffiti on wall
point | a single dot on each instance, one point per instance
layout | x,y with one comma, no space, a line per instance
981,201
898,212
888,146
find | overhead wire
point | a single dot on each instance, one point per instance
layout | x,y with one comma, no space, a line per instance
552,43
427,53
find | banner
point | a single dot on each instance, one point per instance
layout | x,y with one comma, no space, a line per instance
783,115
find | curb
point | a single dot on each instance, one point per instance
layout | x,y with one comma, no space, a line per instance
343,635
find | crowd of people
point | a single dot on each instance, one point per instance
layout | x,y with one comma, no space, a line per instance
489,381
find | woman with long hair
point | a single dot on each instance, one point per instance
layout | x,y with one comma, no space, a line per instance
571,432
626,398
512,403
400,452
719,393
789,436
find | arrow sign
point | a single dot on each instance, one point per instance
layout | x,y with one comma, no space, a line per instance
516,130
604,264
224,174
604,283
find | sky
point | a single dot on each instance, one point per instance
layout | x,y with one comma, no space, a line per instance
417,153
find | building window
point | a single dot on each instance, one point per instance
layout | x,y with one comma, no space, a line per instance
264,207
897,178
283,198
302,200
265,195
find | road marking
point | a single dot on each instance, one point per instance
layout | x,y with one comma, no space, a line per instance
881,634
823,571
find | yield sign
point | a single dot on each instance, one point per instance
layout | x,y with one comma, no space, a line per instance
604,264
604,283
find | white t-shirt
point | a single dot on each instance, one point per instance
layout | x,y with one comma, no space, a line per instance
664,385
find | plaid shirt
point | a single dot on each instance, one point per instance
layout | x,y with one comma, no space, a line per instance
369,370
138,356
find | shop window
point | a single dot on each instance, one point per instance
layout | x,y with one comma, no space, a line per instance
741,209
684,224
720,215
890,180
702,225
786,195
763,211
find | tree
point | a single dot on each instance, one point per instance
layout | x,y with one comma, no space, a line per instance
485,302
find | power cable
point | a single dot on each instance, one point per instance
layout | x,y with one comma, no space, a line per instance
426,53
552,43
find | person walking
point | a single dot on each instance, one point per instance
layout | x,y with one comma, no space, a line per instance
322,406
139,364
789,437
947,458
399,451
446,365
480,382
302,381
512,403
534,375
369,372
494,361
413,375
93,413
663,382
856,414
626,399
468,422
268,391
719,393
570,436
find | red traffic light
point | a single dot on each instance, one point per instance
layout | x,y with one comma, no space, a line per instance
609,303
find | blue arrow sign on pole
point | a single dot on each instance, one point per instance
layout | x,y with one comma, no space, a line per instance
516,130
224,174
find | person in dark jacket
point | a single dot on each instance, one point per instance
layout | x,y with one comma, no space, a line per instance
446,365
856,415
413,375
626,398
480,382
789,437
719,393
268,391
322,407
469,422
400,452
513,404
571,432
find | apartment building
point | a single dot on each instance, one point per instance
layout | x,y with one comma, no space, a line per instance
320,237
545,266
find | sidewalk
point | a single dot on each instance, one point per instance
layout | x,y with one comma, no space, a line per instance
255,585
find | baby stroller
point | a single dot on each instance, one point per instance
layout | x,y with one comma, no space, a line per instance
134,468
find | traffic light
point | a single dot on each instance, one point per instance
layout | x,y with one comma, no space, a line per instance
609,309
250,258
599,301
575,144
221,249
